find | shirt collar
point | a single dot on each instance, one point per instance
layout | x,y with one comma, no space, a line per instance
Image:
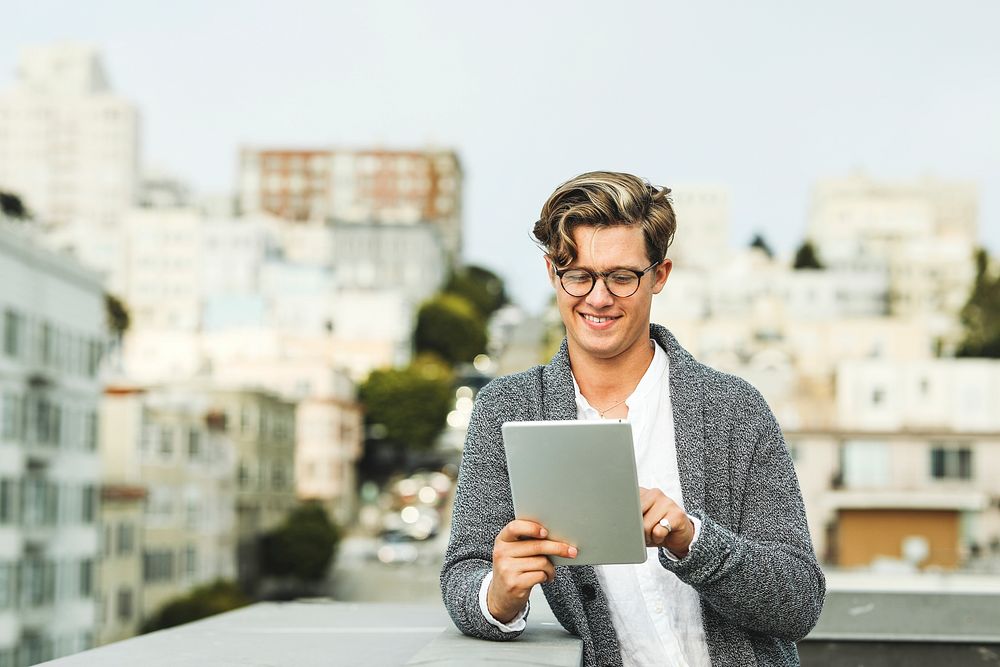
636,400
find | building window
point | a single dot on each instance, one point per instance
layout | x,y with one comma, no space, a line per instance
865,464
194,443
878,396
191,561
88,509
158,566
12,427
86,578
126,538
13,324
90,431
124,604
8,573
951,462
8,501
166,441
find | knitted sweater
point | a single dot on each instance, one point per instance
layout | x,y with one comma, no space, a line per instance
753,564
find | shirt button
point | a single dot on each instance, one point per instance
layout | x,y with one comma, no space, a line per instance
588,592
658,607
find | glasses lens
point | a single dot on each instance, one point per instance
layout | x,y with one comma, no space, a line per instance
623,283
577,283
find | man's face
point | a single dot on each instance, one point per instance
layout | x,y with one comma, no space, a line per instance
601,324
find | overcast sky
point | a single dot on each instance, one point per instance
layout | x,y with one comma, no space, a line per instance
762,98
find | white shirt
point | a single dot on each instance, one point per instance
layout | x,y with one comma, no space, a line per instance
656,616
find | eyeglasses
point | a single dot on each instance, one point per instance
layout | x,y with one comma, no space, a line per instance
620,282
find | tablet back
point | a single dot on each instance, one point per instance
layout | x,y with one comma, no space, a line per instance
578,479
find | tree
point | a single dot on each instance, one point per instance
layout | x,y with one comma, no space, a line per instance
481,287
201,602
116,315
980,316
761,244
409,404
450,327
302,547
12,206
806,257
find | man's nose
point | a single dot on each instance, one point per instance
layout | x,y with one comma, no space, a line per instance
600,297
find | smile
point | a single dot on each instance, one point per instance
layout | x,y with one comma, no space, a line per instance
597,320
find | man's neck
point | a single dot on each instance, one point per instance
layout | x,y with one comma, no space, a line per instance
607,380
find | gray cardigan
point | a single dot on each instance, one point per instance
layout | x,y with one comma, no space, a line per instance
753,564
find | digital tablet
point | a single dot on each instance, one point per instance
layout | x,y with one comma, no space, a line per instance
578,479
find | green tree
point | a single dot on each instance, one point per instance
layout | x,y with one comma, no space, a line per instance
760,243
12,206
409,404
806,257
302,547
116,315
981,314
481,287
450,327
201,602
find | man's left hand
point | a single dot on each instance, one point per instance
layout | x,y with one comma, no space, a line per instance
657,506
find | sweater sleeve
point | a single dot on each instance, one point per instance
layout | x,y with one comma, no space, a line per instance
763,576
482,508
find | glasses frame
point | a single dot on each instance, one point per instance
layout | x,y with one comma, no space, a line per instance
603,275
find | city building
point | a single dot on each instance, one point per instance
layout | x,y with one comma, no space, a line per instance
68,144
119,569
169,444
52,332
702,238
922,233
360,186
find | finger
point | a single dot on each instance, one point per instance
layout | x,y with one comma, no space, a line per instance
535,564
527,548
652,516
520,529
658,535
647,497
529,579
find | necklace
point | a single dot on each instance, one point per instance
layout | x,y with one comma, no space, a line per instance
611,407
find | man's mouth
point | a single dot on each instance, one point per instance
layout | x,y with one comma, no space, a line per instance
596,319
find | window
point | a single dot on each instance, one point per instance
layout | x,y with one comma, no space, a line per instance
88,508
191,561
158,566
8,572
124,604
86,577
12,427
194,443
126,538
90,431
951,462
865,464
166,441
13,324
8,501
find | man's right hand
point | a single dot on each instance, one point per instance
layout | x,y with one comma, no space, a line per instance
519,562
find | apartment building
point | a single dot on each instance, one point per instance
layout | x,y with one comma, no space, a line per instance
68,144
908,474
168,441
52,332
365,185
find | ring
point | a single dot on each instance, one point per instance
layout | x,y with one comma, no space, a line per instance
666,524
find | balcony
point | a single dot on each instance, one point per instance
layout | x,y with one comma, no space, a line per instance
914,622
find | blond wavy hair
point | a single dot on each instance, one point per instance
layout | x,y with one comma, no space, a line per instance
605,199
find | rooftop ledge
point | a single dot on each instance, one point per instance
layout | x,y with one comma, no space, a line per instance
879,627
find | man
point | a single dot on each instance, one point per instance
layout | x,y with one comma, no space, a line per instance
731,578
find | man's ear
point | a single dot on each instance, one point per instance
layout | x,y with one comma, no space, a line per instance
662,272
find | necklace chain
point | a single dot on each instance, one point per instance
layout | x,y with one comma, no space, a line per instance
610,408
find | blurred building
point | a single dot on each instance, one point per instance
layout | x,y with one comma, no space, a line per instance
51,334
167,441
909,473
922,234
119,570
68,144
380,186
702,239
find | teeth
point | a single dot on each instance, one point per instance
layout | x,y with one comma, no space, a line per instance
597,320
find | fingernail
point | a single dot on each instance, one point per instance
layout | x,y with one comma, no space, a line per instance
572,552
544,533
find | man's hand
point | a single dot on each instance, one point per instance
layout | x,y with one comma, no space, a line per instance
657,506
519,562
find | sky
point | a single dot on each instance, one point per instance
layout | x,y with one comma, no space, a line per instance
761,98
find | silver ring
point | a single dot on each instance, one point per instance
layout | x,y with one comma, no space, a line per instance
666,524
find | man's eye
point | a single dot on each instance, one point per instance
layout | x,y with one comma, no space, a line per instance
577,277
622,278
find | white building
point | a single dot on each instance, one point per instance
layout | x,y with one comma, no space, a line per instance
922,233
702,238
909,472
168,441
53,330
68,144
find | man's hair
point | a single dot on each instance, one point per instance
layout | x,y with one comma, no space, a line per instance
605,199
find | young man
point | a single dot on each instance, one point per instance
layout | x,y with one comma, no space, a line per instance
732,577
